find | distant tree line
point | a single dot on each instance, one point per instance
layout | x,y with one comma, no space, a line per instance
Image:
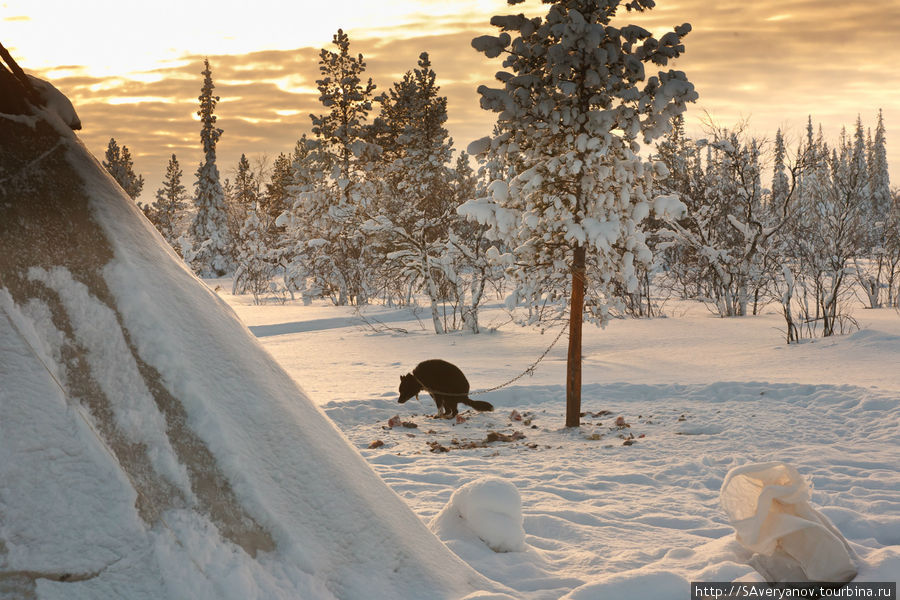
826,230
375,204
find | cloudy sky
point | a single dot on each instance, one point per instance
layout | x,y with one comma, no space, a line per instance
132,69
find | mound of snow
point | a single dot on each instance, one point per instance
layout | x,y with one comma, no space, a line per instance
479,146
56,102
490,508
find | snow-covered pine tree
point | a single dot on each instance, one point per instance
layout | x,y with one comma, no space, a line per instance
879,178
275,201
859,171
415,201
338,190
277,198
241,199
254,270
248,230
874,268
171,202
892,252
887,206
686,277
245,186
112,161
855,181
804,269
210,237
467,260
573,104
798,285
119,164
840,234
135,181
784,284
780,183
295,231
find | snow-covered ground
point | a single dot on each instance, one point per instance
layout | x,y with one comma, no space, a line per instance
610,510
149,447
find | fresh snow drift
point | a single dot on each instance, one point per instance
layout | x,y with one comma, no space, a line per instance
490,508
616,511
149,447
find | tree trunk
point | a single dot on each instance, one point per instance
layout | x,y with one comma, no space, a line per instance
432,290
471,316
576,318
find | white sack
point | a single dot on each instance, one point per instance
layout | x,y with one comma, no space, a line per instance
768,506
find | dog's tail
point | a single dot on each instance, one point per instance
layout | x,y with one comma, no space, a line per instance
477,404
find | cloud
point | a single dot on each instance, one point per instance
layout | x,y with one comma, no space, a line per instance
265,100
772,61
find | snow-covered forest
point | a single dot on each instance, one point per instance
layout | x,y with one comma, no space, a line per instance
376,205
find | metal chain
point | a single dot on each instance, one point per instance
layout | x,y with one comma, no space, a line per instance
528,371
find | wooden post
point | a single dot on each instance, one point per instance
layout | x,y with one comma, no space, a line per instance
576,318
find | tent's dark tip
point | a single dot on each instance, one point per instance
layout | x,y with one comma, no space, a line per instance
18,95
17,91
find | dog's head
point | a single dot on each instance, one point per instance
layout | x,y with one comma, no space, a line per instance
409,387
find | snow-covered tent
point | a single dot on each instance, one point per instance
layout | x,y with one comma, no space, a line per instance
149,447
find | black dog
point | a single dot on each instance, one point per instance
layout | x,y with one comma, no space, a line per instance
446,384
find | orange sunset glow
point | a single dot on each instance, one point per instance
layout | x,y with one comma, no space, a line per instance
449,299
133,72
